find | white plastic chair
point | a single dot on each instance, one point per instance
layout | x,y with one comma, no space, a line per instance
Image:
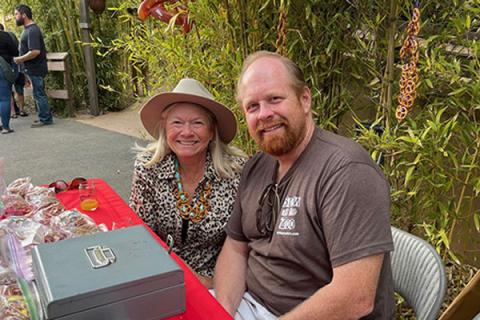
418,274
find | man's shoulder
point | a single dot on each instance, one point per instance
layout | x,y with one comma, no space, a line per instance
339,148
258,161
32,26
32,29
331,153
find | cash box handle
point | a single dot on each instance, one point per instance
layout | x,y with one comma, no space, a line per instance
100,257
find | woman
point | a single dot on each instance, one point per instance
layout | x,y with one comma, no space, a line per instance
184,184
8,50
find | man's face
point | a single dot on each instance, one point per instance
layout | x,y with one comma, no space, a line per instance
19,18
276,115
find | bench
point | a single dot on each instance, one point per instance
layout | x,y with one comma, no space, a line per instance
58,61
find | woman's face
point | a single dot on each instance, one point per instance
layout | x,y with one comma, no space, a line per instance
188,130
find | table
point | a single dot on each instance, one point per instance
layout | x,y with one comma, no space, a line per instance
115,213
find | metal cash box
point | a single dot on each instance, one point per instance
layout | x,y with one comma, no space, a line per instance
122,274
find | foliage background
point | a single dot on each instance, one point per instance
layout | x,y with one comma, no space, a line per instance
431,159
59,21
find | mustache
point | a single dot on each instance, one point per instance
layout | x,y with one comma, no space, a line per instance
262,125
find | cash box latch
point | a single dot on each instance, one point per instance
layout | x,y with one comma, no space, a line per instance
100,256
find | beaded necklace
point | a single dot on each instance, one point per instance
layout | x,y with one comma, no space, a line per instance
200,210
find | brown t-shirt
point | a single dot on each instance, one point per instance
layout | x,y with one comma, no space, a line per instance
334,210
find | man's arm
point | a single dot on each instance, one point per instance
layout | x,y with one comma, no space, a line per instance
32,54
231,274
350,295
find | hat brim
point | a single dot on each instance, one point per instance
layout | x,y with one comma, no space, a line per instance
151,113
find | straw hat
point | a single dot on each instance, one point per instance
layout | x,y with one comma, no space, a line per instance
192,91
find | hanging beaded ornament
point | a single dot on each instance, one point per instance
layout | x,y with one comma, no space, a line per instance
187,212
409,54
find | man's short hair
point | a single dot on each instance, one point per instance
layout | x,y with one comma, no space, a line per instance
24,9
2,28
297,79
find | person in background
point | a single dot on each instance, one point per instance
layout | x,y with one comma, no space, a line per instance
19,84
8,50
33,57
309,237
185,183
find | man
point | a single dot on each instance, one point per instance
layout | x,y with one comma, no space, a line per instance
18,84
33,56
309,237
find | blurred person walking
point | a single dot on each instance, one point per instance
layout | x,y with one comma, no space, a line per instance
33,56
19,84
8,51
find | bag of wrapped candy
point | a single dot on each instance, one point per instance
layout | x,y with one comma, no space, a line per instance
12,303
19,301
20,186
3,188
15,205
7,276
27,231
15,257
76,224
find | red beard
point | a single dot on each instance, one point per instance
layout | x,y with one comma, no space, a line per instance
280,143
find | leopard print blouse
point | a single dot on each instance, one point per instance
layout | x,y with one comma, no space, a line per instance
152,198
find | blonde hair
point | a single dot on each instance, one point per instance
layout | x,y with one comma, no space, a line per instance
222,153
295,74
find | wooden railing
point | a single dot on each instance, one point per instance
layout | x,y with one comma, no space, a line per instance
58,61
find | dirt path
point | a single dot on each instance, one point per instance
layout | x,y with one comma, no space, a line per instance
126,121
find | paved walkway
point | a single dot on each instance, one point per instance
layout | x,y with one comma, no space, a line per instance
74,148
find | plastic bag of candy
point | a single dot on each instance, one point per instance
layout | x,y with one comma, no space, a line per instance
45,214
6,275
15,205
54,234
12,303
27,231
20,186
40,197
3,188
76,223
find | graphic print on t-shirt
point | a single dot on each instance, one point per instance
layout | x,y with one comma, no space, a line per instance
287,224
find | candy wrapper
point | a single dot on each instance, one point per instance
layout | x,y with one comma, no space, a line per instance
12,303
20,186
76,223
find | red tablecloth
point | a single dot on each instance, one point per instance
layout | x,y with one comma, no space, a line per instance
114,212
